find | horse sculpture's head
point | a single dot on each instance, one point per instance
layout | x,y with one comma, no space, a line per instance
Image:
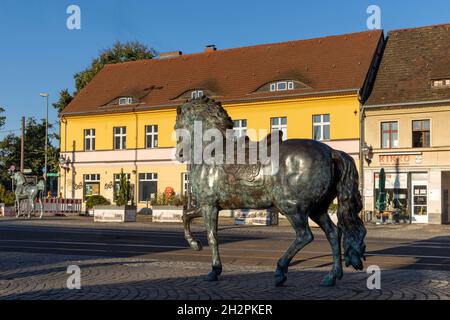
203,110
18,178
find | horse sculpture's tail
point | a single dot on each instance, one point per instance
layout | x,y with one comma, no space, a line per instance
350,204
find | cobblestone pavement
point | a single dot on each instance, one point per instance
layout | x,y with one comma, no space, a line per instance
39,276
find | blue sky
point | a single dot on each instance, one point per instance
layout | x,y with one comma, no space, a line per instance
39,54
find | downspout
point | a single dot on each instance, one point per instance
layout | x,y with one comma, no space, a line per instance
361,150
135,195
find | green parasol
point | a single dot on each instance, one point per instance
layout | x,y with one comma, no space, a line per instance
381,200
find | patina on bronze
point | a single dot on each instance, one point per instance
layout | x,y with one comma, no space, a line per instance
29,192
310,176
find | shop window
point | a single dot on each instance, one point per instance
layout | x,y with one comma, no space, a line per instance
148,186
117,184
91,185
421,133
389,135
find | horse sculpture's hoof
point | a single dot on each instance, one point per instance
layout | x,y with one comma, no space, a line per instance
280,279
212,276
196,245
328,281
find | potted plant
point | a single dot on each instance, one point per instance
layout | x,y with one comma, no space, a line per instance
121,211
168,206
95,201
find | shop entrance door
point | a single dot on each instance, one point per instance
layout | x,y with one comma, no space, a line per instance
419,202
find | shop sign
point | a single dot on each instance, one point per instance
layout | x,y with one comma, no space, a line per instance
394,159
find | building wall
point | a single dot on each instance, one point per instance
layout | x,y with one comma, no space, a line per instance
433,160
344,134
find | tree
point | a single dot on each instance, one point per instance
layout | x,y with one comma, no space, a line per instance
2,118
64,99
129,51
124,190
120,52
34,158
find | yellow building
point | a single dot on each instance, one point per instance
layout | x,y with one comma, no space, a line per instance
407,124
124,118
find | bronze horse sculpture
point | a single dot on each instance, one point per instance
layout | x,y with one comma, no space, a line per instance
310,176
29,192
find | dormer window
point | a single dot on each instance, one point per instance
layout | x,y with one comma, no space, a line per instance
197,94
282,86
440,83
123,101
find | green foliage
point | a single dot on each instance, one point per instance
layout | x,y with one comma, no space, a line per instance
162,199
120,52
96,201
34,151
124,190
6,197
2,118
64,99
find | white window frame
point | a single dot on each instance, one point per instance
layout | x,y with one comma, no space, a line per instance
239,130
122,135
322,125
289,85
185,182
278,126
123,101
89,135
197,94
151,136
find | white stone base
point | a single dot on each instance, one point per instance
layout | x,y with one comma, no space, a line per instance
255,217
114,215
169,214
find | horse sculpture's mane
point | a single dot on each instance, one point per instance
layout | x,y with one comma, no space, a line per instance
210,112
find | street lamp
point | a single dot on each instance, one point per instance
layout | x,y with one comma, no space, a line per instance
45,95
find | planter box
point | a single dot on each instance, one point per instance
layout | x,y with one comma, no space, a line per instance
167,214
115,214
255,217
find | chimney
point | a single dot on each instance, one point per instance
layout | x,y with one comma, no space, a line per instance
172,54
210,48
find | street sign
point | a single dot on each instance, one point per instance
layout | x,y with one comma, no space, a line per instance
27,171
53,175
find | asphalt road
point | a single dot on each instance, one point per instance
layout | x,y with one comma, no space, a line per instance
238,246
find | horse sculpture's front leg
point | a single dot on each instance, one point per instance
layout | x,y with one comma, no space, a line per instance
187,219
210,214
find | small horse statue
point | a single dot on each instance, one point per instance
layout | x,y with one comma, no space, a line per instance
310,176
26,191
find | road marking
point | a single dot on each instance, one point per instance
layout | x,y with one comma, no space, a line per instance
222,248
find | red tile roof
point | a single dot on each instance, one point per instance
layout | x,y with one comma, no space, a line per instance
413,58
329,64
